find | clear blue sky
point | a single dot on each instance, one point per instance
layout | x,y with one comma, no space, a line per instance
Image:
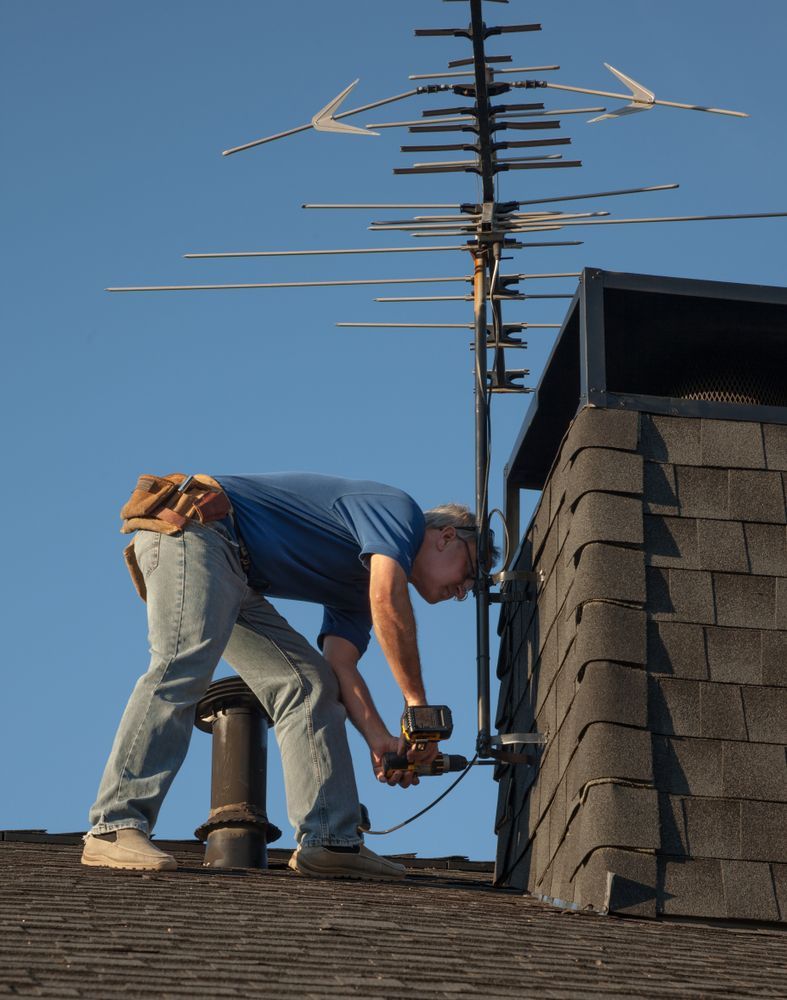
114,116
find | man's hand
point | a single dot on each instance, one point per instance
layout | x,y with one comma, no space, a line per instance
401,748
422,757
392,745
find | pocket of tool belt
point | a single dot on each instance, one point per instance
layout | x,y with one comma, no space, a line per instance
156,504
149,493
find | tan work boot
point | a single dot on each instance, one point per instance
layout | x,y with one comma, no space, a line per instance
319,862
130,849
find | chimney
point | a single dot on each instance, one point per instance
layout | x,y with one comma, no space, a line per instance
653,650
237,830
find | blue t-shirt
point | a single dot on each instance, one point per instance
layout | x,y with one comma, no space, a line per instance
309,538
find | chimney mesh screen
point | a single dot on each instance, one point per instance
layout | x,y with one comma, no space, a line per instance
738,383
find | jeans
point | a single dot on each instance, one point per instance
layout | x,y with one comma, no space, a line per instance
200,607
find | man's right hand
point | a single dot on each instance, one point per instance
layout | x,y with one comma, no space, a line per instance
391,745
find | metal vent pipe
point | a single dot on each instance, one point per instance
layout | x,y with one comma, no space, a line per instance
237,830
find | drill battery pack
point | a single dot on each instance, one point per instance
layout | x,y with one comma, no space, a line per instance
427,723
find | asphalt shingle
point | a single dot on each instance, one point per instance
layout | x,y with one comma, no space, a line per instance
539,526
671,541
673,706
602,469
671,439
610,632
766,713
599,428
745,601
608,752
722,546
766,547
732,444
680,595
698,881
603,517
703,492
677,648
764,831
734,654
775,436
756,496
781,603
713,827
613,815
774,658
721,712
673,825
749,890
661,489
688,766
625,878
754,771
607,572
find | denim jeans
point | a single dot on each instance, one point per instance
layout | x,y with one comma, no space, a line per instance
200,607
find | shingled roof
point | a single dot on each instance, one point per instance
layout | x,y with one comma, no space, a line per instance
654,657
444,932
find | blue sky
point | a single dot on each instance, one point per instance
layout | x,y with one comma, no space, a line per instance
114,116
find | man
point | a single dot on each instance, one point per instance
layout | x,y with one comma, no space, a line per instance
207,555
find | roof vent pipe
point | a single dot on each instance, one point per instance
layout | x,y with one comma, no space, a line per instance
237,830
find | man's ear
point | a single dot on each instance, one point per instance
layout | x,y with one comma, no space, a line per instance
447,535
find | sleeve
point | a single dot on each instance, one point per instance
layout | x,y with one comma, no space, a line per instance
388,524
354,626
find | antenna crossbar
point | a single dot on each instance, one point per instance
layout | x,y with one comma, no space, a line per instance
489,59
599,194
667,218
316,253
289,284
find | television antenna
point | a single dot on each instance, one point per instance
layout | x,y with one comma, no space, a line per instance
485,229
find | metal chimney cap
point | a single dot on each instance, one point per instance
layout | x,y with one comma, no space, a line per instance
226,694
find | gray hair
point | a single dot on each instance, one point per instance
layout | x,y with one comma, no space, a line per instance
460,517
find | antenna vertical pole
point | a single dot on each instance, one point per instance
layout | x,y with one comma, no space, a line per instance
481,500
486,163
486,152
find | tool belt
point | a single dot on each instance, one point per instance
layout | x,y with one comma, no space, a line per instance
166,504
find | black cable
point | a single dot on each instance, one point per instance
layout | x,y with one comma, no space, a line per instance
507,545
451,787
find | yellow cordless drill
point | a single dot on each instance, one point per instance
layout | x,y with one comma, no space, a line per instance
423,724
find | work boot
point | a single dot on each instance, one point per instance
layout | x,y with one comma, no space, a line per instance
320,862
129,849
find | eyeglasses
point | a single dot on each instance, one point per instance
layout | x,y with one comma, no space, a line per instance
472,573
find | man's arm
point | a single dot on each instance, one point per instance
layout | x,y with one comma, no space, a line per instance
394,625
343,657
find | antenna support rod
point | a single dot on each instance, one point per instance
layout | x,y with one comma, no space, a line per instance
314,253
344,114
628,97
486,168
599,194
513,69
558,224
481,500
286,284
446,326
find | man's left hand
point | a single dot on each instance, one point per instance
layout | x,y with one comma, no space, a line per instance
423,757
